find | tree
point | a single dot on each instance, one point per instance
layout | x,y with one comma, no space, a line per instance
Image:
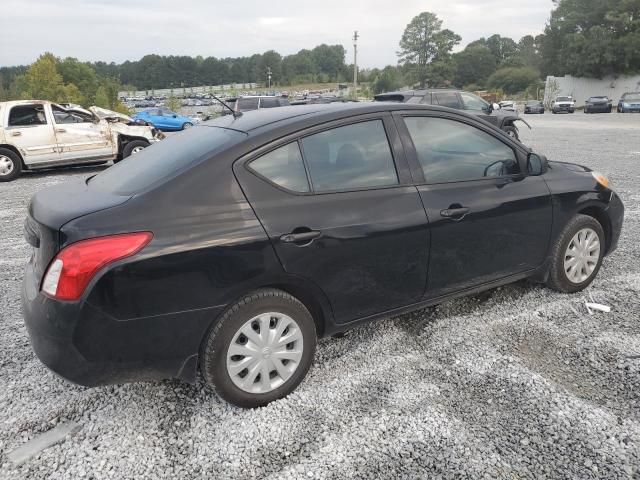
592,38
82,76
387,80
424,42
513,79
474,65
43,82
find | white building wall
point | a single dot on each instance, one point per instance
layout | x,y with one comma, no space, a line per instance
582,88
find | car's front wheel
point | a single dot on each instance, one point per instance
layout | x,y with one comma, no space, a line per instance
512,132
10,165
577,255
186,125
133,147
260,349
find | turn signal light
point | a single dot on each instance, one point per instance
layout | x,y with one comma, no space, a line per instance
601,179
75,265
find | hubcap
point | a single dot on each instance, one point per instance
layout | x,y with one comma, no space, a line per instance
136,150
265,352
187,125
582,255
6,165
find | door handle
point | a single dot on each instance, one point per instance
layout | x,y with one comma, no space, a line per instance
16,134
301,237
60,130
456,214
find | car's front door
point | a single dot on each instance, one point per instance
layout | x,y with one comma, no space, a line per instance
80,137
29,128
489,219
346,217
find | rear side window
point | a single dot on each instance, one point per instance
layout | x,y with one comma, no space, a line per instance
350,157
27,115
447,99
451,151
284,167
165,159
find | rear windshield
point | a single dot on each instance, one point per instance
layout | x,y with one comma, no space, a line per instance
164,159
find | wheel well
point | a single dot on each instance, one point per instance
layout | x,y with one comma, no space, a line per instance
16,151
603,219
309,301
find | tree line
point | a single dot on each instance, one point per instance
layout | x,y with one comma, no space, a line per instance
583,38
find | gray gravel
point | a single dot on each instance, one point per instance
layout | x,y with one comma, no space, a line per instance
519,382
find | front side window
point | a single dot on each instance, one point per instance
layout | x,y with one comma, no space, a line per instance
284,167
473,102
451,151
350,157
269,102
246,104
447,99
62,116
27,116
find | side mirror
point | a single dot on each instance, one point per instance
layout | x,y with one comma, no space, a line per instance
537,164
175,116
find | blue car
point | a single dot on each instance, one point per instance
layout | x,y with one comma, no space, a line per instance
630,102
164,119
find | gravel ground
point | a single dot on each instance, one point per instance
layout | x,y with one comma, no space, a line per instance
519,382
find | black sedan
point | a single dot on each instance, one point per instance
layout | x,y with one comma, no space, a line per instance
534,106
231,247
599,104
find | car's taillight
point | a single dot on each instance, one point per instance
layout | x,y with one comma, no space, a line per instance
75,265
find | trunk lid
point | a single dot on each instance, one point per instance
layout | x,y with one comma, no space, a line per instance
51,208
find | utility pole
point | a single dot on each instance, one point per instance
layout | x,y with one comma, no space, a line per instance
355,64
269,77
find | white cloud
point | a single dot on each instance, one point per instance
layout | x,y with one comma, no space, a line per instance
118,30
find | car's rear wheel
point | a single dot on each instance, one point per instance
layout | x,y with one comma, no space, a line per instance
577,255
186,125
10,165
260,349
133,147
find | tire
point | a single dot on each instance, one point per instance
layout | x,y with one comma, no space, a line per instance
134,147
217,363
558,278
10,165
512,132
187,125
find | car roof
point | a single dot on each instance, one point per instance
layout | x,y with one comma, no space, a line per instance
285,116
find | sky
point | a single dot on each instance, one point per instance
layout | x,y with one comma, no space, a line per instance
119,30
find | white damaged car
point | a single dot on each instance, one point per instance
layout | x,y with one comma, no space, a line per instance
39,134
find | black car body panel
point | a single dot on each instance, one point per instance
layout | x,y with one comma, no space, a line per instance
218,234
534,107
598,105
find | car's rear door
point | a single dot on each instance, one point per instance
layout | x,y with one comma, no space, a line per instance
29,127
489,220
338,205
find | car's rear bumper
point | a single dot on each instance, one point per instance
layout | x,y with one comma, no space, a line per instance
631,109
599,108
89,348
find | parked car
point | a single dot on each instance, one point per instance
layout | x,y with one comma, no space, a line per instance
255,102
505,120
599,104
164,119
238,243
38,134
534,106
629,102
508,106
563,104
